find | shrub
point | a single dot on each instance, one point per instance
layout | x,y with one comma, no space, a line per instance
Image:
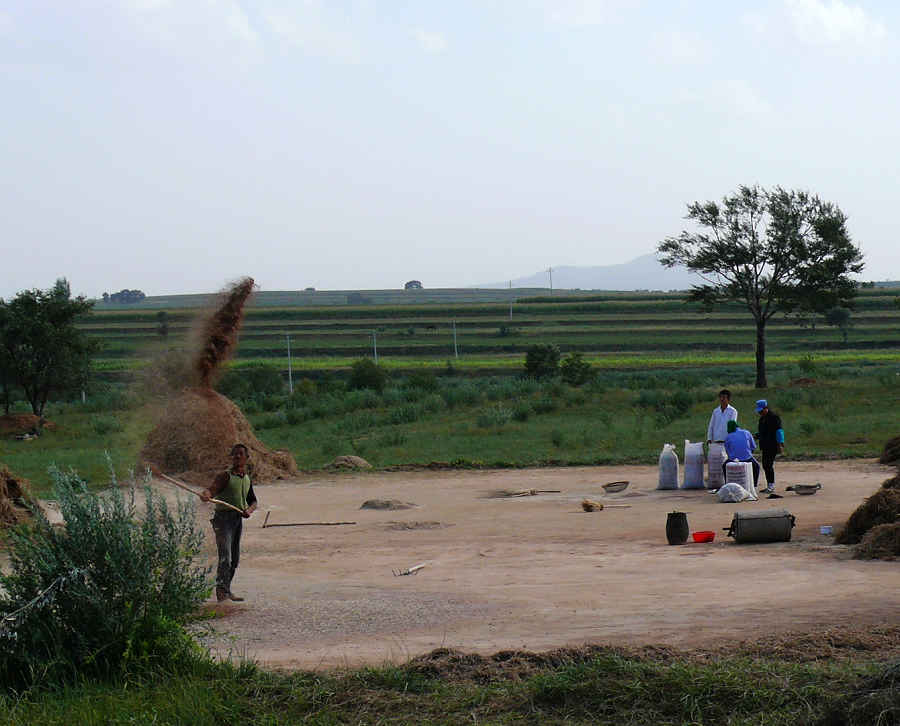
423,380
545,404
392,438
250,381
366,373
542,361
808,427
521,411
107,593
575,370
493,416
404,414
106,425
557,438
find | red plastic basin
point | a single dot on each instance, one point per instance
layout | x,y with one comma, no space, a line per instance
706,536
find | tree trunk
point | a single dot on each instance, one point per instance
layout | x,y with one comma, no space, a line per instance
761,381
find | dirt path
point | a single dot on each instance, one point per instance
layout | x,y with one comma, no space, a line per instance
537,572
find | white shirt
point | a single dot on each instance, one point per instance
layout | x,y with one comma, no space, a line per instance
718,423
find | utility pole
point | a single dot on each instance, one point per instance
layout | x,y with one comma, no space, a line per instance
455,349
510,301
550,271
290,372
375,344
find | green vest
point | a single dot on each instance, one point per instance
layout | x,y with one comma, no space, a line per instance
235,492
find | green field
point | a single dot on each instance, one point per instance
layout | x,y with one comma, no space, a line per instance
635,330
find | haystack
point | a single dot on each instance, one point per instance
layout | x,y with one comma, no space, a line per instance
193,439
195,434
880,543
891,452
14,497
883,507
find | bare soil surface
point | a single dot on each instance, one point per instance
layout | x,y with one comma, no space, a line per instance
537,572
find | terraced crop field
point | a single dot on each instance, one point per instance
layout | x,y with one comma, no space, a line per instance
612,330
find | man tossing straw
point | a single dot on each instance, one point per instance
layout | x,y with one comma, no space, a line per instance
234,488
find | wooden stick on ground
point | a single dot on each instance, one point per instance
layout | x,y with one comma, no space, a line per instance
301,524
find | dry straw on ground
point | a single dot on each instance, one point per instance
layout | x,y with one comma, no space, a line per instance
199,426
891,452
883,507
13,497
880,543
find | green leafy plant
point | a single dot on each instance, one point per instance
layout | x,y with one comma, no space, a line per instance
109,591
542,361
575,370
366,373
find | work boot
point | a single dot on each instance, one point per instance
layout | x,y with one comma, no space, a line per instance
234,598
221,594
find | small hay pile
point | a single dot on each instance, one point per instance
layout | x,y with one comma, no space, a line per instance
349,462
881,508
891,452
882,542
195,434
13,498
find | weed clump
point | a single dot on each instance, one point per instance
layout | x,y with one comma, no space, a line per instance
107,592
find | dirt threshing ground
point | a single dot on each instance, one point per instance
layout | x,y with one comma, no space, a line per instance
537,572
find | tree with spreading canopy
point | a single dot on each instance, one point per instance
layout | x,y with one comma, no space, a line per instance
41,350
775,251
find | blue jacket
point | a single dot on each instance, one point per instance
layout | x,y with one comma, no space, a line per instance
739,445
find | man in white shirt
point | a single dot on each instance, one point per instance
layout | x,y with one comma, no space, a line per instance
721,415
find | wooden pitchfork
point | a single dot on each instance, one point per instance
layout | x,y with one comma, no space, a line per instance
182,485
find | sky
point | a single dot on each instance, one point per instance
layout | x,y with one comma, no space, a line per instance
175,145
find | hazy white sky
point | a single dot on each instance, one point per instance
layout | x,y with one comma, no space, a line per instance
173,145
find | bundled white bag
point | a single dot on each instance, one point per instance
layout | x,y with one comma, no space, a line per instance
732,493
693,465
668,468
716,457
741,473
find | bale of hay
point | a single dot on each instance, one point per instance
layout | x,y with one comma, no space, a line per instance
194,436
891,452
14,498
880,543
591,505
882,507
349,462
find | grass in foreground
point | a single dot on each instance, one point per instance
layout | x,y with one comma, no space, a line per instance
603,688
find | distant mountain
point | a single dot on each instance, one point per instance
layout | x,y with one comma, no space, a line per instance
642,273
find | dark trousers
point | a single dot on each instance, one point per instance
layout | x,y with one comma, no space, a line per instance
227,526
751,461
768,464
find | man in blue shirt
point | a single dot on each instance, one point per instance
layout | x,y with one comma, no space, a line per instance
739,446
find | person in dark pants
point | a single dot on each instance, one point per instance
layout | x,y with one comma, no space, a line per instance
771,443
739,446
232,486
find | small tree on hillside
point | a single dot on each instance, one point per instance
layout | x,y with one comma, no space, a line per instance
839,317
773,251
542,361
42,350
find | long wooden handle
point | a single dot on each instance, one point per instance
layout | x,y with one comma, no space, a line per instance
196,494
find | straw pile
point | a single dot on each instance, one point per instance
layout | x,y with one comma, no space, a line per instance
13,498
196,433
882,542
891,452
193,438
882,507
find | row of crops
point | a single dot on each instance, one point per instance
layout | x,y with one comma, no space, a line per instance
633,322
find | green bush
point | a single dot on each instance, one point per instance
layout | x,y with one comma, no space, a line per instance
575,370
250,381
542,361
106,425
545,404
521,411
404,414
493,416
366,373
107,593
423,380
